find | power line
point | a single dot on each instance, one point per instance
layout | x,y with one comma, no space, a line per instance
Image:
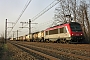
42,12
45,10
21,14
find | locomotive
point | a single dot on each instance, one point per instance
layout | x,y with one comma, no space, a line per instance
63,33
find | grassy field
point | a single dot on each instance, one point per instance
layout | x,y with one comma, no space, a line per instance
4,52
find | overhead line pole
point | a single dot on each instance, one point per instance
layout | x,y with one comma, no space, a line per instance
5,41
29,28
17,33
5,32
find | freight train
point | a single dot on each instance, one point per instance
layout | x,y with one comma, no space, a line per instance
63,33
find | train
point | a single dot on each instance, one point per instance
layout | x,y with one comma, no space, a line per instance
63,33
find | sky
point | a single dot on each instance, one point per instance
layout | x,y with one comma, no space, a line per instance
11,10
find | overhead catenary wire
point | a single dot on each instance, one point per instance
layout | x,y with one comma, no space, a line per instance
21,14
45,10
41,13
51,5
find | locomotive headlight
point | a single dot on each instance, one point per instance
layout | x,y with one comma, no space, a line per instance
72,34
81,34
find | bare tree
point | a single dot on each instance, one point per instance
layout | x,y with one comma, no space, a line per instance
85,19
66,7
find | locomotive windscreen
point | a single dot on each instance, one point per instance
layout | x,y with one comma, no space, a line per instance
76,27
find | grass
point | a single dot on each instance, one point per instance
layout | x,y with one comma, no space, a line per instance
4,52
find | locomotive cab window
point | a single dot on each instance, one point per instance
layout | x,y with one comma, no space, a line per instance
75,27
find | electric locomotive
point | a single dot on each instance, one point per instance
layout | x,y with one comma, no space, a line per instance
64,33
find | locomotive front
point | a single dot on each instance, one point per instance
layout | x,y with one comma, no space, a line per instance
76,32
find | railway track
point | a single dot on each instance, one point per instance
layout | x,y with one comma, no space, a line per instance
78,49
45,53
35,53
72,50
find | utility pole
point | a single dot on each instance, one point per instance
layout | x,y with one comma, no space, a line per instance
29,28
5,41
17,33
5,32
